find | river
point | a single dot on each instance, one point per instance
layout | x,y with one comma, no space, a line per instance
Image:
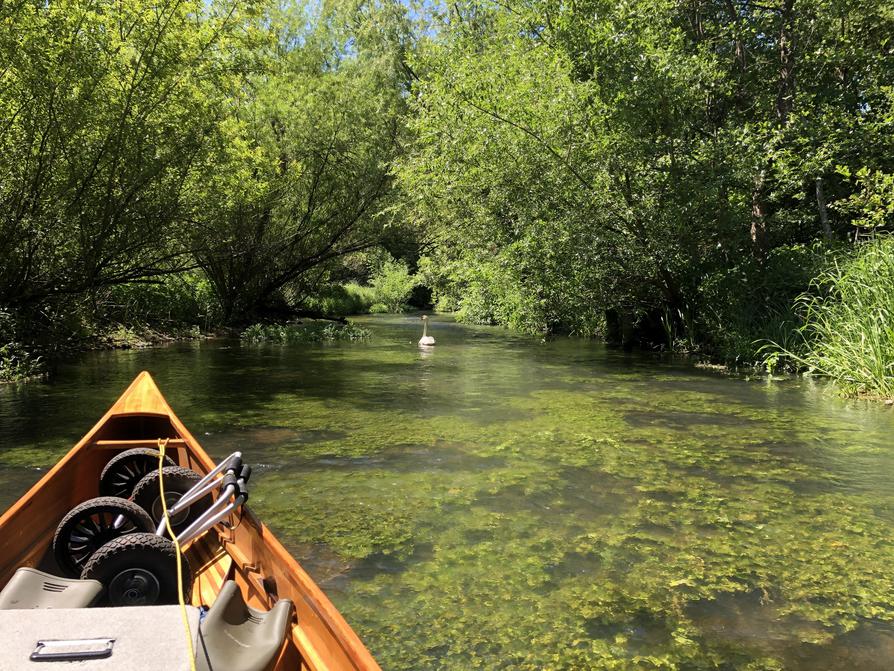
502,502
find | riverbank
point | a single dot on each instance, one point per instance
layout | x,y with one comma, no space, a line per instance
18,364
140,337
21,363
304,331
25,367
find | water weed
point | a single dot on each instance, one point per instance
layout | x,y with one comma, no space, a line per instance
502,503
303,332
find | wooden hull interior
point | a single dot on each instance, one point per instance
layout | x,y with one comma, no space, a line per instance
318,639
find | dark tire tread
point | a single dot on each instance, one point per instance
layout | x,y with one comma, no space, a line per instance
177,479
105,485
163,548
136,513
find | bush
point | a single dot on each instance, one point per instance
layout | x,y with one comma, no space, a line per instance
536,284
303,332
741,309
360,298
16,361
848,331
342,299
392,285
185,298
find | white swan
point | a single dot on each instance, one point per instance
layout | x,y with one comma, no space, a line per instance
426,340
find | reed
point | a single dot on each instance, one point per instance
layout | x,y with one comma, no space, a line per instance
848,324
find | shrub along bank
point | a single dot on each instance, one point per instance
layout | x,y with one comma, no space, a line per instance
847,331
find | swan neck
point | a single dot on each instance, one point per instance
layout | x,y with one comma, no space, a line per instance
424,328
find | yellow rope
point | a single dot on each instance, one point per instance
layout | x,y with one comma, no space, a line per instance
162,444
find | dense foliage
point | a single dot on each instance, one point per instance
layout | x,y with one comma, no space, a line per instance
300,172
240,148
663,163
652,171
390,289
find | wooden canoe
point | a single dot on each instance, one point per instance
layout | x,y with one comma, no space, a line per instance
319,638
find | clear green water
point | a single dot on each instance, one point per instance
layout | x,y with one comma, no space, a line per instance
503,503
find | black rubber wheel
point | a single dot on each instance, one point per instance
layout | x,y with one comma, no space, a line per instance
139,570
90,525
177,481
125,470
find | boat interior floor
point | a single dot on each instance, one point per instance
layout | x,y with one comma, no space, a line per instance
138,638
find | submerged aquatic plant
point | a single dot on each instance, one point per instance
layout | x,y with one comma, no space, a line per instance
585,531
554,506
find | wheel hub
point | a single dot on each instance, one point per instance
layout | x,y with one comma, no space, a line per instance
170,498
91,532
134,587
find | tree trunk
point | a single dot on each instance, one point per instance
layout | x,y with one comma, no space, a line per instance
823,213
759,215
785,100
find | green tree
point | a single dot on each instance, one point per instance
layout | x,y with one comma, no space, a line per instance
106,110
303,166
392,285
601,157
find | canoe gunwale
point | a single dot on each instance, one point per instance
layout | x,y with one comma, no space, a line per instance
328,645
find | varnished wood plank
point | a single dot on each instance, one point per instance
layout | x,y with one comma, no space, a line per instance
130,444
320,639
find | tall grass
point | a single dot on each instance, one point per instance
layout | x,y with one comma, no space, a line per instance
848,331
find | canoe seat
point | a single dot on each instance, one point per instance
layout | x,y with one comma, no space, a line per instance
235,637
30,588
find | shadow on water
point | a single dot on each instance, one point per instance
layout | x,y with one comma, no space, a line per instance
751,622
460,502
